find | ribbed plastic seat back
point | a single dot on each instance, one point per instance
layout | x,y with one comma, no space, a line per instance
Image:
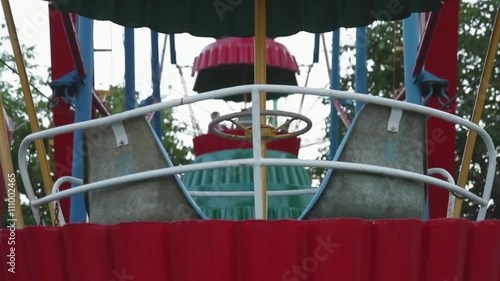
369,196
158,199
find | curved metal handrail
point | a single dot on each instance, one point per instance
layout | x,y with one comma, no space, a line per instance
257,161
451,196
60,181
338,165
55,189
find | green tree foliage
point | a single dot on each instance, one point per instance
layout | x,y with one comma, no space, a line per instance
15,106
385,77
476,25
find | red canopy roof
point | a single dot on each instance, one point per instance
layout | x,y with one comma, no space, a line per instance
229,62
334,249
237,50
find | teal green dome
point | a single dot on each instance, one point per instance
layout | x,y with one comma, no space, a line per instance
241,179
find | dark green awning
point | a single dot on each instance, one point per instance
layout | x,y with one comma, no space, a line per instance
217,18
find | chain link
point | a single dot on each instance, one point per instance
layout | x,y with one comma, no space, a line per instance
40,215
56,213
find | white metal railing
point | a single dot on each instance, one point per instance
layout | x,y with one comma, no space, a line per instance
432,171
451,196
257,161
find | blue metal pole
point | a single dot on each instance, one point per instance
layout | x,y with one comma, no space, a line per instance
155,73
413,93
130,98
335,85
361,59
316,48
411,41
173,55
83,112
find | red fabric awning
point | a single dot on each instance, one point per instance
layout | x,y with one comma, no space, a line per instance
333,249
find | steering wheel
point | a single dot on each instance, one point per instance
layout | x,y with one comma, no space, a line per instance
268,132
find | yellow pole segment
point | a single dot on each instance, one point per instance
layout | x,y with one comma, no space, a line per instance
478,110
260,67
30,107
9,175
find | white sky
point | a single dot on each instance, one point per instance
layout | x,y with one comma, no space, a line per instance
31,18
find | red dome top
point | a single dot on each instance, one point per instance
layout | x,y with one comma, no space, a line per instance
237,50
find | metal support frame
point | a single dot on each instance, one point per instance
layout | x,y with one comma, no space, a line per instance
173,54
155,76
441,60
451,196
425,43
62,65
316,48
130,99
77,57
69,27
258,162
335,102
83,112
410,38
334,85
361,60
412,89
260,77
277,193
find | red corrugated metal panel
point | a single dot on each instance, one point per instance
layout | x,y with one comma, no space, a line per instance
483,252
451,238
41,241
336,249
396,250
153,250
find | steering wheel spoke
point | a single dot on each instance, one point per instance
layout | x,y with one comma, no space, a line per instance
285,125
238,125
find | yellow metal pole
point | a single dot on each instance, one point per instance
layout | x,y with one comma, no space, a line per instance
478,110
260,70
30,107
8,173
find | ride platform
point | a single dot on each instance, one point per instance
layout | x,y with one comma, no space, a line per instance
330,249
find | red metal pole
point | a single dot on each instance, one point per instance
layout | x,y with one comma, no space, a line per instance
69,28
442,61
343,115
423,49
401,95
97,103
62,64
